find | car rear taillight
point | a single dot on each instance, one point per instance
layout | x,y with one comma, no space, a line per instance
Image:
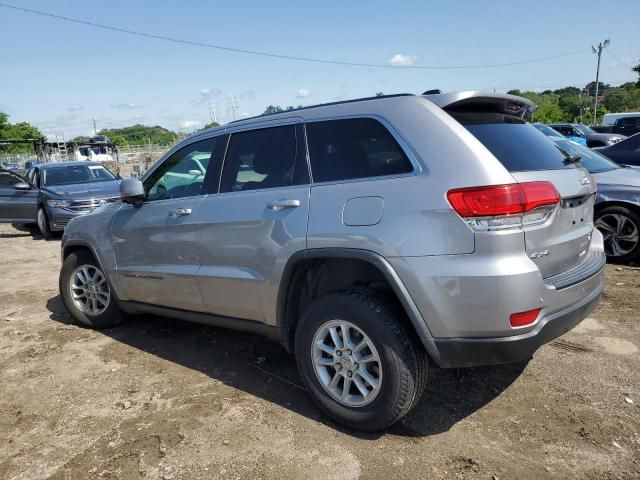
504,206
522,319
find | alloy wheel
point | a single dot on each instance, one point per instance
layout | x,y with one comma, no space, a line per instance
89,290
346,363
620,234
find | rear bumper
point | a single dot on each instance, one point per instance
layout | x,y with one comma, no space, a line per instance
469,352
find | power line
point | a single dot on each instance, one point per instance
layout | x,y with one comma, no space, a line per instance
281,56
621,61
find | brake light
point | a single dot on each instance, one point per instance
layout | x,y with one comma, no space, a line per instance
504,206
509,199
522,319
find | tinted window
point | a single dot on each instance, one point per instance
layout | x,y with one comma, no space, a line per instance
183,173
75,174
264,158
353,148
517,144
8,180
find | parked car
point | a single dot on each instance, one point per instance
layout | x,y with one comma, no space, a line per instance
373,238
621,123
190,171
554,134
54,193
626,152
12,166
617,209
590,136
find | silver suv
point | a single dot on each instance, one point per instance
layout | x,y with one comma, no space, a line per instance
372,238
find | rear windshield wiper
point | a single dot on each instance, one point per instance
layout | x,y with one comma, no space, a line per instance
569,158
572,159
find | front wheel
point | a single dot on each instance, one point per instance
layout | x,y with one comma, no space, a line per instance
43,224
86,292
359,363
620,228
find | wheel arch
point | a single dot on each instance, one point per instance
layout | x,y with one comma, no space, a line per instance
307,263
617,203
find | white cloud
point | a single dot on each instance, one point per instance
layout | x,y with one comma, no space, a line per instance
206,94
400,60
125,106
190,124
303,93
74,108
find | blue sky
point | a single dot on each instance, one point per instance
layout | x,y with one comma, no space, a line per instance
60,75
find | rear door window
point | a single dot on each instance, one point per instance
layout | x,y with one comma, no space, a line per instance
353,148
514,142
264,158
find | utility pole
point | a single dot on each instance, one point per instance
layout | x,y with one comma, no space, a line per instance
598,51
95,132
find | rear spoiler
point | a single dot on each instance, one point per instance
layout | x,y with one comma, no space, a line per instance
483,101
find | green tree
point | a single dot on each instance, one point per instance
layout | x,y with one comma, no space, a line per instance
17,131
272,109
590,88
210,125
136,135
637,70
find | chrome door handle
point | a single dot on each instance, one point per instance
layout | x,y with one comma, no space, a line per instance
180,212
282,204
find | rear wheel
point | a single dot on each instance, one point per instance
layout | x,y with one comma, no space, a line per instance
358,362
43,224
620,227
86,292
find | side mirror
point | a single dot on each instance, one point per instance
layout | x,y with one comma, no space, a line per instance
131,190
22,186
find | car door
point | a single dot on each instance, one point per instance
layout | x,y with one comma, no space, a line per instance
248,230
17,204
155,243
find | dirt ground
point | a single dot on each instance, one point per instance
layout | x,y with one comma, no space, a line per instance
162,399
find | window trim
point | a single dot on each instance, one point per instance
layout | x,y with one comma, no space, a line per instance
404,146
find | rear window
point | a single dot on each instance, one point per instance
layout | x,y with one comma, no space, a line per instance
516,143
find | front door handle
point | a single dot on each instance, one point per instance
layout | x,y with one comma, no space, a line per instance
179,212
282,204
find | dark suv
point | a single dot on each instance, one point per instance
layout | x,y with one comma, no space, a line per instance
593,138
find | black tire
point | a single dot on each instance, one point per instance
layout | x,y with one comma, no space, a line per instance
110,317
601,219
43,224
403,361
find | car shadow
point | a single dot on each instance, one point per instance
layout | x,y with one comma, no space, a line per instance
25,230
263,368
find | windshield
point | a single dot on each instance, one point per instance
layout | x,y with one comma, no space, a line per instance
73,174
547,130
584,129
591,160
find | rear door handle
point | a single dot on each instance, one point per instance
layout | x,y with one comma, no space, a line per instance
180,212
282,204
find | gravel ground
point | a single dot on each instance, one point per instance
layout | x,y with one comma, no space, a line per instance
162,399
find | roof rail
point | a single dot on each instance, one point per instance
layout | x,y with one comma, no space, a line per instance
341,102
